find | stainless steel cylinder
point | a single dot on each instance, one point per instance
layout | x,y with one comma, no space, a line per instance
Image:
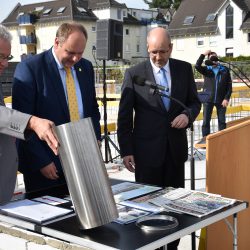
85,173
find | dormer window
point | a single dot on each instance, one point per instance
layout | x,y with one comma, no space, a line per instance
40,8
210,17
81,9
47,12
61,10
188,20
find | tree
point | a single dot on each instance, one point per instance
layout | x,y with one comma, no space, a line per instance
163,4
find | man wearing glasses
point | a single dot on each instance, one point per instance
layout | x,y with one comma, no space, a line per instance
152,129
16,124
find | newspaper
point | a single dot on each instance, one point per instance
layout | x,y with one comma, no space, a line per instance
195,203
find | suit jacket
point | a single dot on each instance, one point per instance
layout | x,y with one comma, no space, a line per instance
145,132
38,90
12,124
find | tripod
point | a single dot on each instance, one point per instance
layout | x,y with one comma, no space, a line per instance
105,137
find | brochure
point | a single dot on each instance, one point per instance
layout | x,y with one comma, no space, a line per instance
127,190
129,214
143,202
50,200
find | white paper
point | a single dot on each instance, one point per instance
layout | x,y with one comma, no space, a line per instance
34,211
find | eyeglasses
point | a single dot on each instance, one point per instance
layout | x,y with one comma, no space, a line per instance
7,58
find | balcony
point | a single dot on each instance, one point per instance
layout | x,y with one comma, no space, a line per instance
29,39
26,19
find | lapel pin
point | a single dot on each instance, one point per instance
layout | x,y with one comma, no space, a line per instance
80,69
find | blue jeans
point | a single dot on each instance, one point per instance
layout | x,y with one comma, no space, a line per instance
207,113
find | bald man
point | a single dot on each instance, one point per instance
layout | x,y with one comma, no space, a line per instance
152,129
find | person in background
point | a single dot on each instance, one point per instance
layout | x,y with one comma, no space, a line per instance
151,129
16,124
59,85
217,81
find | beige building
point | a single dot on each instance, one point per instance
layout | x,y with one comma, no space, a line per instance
34,26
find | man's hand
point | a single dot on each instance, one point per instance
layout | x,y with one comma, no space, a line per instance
207,52
44,129
50,171
129,163
225,103
180,121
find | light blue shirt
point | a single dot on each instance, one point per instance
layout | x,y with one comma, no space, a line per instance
156,72
62,73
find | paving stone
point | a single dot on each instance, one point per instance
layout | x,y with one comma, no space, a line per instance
8,242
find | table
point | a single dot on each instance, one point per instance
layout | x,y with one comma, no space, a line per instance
116,236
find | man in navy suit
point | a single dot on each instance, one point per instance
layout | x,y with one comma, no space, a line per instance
152,132
39,88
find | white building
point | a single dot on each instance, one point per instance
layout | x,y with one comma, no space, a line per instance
34,26
222,26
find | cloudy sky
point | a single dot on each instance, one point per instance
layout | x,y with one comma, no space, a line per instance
8,5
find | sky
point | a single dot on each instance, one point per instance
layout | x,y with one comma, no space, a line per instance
8,5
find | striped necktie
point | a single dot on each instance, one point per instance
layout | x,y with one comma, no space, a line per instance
72,98
164,82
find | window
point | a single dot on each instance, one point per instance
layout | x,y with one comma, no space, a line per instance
127,47
124,13
212,41
119,14
211,17
248,37
188,20
127,31
138,48
134,13
168,17
229,52
81,9
40,8
229,22
93,29
47,12
200,41
61,10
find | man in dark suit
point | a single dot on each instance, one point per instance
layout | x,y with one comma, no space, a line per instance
40,88
152,134
16,124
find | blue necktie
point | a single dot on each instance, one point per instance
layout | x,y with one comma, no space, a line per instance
164,82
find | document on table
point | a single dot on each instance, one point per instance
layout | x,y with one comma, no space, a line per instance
127,190
50,200
195,203
129,214
33,211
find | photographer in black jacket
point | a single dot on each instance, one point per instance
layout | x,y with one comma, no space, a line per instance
217,82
